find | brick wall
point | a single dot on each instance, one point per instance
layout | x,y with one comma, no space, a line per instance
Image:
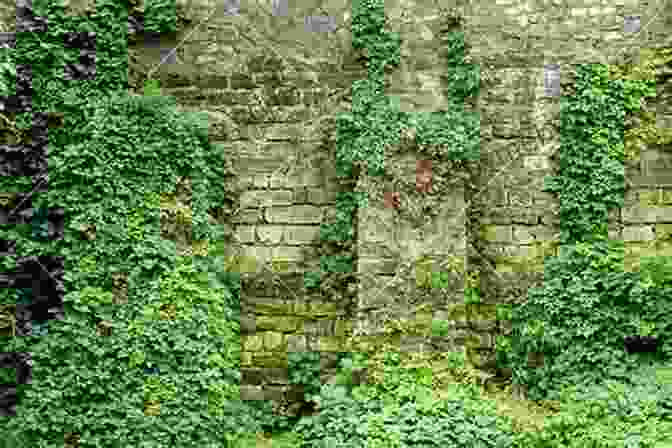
272,81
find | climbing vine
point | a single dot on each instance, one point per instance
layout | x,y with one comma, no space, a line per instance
370,134
578,319
109,159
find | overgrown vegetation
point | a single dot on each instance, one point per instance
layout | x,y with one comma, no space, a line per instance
176,343
110,163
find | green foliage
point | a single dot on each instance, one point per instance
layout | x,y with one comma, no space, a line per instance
368,20
587,303
346,204
454,130
160,16
304,368
347,363
440,280
657,270
472,295
7,376
109,162
152,88
116,153
45,54
580,315
440,327
376,121
411,418
7,73
92,299
463,79
590,181
199,351
211,270
610,414
311,280
336,264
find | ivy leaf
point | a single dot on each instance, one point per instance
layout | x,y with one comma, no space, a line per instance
152,88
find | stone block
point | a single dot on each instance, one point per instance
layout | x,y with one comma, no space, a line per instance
324,327
251,342
498,234
377,265
297,343
283,324
301,235
251,393
247,216
269,234
274,341
245,234
295,178
241,81
270,359
274,392
265,198
248,324
320,196
327,343
638,233
251,376
246,359
298,214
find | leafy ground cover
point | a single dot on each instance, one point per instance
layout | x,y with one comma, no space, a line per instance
608,415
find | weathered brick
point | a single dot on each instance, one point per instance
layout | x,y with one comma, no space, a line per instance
301,234
271,144
298,214
307,177
265,198
245,234
247,216
269,234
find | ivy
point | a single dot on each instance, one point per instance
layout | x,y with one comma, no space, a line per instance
304,369
7,73
376,121
578,318
177,339
160,16
587,300
188,358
